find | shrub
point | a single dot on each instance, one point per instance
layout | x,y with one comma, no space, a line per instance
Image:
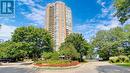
113,59
129,57
119,59
46,55
50,55
55,56
123,59
40,62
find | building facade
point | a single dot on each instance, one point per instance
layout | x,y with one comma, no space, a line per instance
58,22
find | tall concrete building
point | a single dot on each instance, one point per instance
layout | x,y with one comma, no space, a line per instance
58,22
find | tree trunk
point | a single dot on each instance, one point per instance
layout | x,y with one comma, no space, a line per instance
81,58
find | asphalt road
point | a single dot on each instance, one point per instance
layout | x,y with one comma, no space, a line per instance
91,67
16,70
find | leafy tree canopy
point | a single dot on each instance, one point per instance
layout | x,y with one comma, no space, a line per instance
40,37
27,42
109,42
123,10
68,51
79,43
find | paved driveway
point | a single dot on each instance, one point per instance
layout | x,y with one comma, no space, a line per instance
91,67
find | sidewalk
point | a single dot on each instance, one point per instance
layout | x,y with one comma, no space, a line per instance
18,64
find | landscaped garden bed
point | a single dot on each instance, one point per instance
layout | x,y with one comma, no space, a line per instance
57,64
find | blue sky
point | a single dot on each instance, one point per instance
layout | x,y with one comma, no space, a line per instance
89,16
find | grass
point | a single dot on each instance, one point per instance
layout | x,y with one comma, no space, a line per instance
123,64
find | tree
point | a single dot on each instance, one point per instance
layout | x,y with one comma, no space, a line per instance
79,43
40,37
17,51
109,42
123,10
27,42
30,42
127,40
3,49
68,51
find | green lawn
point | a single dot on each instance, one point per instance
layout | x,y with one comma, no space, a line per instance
123,64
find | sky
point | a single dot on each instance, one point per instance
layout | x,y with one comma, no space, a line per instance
89,16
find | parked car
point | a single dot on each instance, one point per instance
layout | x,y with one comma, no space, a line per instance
99,59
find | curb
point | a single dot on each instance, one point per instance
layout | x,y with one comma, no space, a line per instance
56,68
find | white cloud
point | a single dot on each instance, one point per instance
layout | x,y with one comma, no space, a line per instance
27,2
108,24
108,20
102,3
103,27
107,11
37,16
102,21
5,31
127,22
88,29
37,13
83,27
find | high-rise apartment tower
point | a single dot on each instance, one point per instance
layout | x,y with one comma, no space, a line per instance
58,22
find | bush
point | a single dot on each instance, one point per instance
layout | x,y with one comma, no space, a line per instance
119,59
113,59
40,62
50,55
55,56
123,59
46,55
129,57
